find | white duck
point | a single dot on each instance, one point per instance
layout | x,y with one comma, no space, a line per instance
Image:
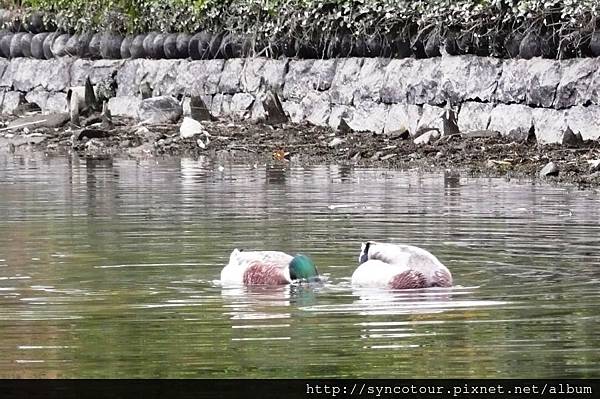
399,267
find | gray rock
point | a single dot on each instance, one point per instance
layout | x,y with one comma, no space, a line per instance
273,74
549,124
575,82
162,109
549,170
133,74
124,106
469,78
427,137
570,139
511,85
403,117
241,105
474,116
322,74
38,97
4,65
25,74
484,73
275,113
543,77
97,71
145,90
512,120
338,114
11,101
345,80
11,68
432,117
199,77
316,108
258,113
231,75
369,116
343,127
198,110
297,80
57,102
251,79
308,75
127,78
521,136
294,110
394,88
450,126
221,104
370,80
54,75
165,78
423,82
585,121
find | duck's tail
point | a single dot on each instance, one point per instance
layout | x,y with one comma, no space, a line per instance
234,257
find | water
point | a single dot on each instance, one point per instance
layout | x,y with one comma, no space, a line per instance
110,268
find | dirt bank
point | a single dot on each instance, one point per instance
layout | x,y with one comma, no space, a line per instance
246,142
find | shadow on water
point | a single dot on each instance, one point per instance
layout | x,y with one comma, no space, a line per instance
107,269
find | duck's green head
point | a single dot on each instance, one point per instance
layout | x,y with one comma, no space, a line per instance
303,268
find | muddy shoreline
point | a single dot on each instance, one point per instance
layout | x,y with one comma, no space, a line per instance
246,142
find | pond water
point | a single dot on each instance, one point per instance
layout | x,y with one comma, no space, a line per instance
109,268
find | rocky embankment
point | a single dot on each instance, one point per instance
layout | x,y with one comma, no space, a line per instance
480,153
513,117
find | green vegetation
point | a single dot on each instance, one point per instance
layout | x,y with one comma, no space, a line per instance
489,21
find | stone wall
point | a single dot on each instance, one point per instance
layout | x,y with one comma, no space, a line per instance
548,97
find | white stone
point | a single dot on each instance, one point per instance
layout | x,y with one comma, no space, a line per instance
10,101
345,80
57,102
550,125
241,103
163,109
316,108
229,82
427,137
190,127
370,80
403,117
38,97
432,117
585,120
474,116
337,113
511,120
294,110
577,78
369,116
124,106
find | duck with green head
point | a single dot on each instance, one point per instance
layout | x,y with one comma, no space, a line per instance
267,268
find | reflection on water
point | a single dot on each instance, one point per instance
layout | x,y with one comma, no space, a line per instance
108,268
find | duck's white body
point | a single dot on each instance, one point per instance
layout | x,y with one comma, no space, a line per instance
399,267
257,267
